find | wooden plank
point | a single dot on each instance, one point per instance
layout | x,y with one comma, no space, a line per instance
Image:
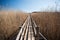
20,32
25,37
22,36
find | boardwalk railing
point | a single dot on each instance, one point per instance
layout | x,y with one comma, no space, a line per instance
35,26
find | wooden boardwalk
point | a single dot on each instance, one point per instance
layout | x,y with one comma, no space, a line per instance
29,31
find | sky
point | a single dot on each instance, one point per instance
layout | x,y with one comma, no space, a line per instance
29,5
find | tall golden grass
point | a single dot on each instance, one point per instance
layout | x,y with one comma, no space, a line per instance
49,24
10,22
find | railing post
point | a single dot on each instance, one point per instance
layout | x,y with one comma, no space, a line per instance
37,36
